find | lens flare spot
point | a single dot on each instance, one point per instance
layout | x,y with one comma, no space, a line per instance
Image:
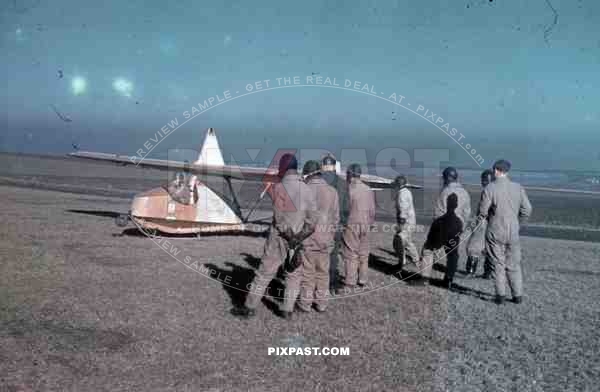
78,85
123,87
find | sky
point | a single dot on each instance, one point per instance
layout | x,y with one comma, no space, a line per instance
518,80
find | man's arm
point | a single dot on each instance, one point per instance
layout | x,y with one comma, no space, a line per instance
525,207
372,207
484,204
336,209
311,215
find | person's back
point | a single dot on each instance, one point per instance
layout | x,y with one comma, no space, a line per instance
405,208
293,200
463,209
361,216
451,214
504,203
317,248
361,206
406,221
294,214
327,214
508,203
451,227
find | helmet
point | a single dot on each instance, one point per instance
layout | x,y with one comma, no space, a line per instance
287,162
328,160
354,170
486,177
311,168
450,175
400,182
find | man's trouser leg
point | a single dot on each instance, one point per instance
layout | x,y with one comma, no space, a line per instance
292,288
315,282
322,280
497,253
410,250
429,256
363,257
513,269
451,262
307,287
488,267
336,264
350,254
428,253
275,252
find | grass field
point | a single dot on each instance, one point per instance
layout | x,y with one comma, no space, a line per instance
86,307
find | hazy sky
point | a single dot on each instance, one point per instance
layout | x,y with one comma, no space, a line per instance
501,72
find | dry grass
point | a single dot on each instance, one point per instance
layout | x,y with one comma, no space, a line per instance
84,308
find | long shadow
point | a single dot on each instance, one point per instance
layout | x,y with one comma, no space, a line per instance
237,286
472,292
252,260
104,214
379,264
239,279
135,232
463,290
389,252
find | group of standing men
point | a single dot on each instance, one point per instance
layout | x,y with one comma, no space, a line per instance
493,236
307,214
304,235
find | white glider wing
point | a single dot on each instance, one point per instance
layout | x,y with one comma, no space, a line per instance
210,163
226,171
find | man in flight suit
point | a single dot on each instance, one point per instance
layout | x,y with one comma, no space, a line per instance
318,247
505,204
476,244
406,220
355,239
293,221
435,240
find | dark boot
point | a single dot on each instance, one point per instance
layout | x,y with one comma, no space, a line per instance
487,270
499,299
448,283
469,265
399,249
518,299
474,266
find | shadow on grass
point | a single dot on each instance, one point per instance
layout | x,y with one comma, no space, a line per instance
237,286
135,232
240,278
463,290
103,214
